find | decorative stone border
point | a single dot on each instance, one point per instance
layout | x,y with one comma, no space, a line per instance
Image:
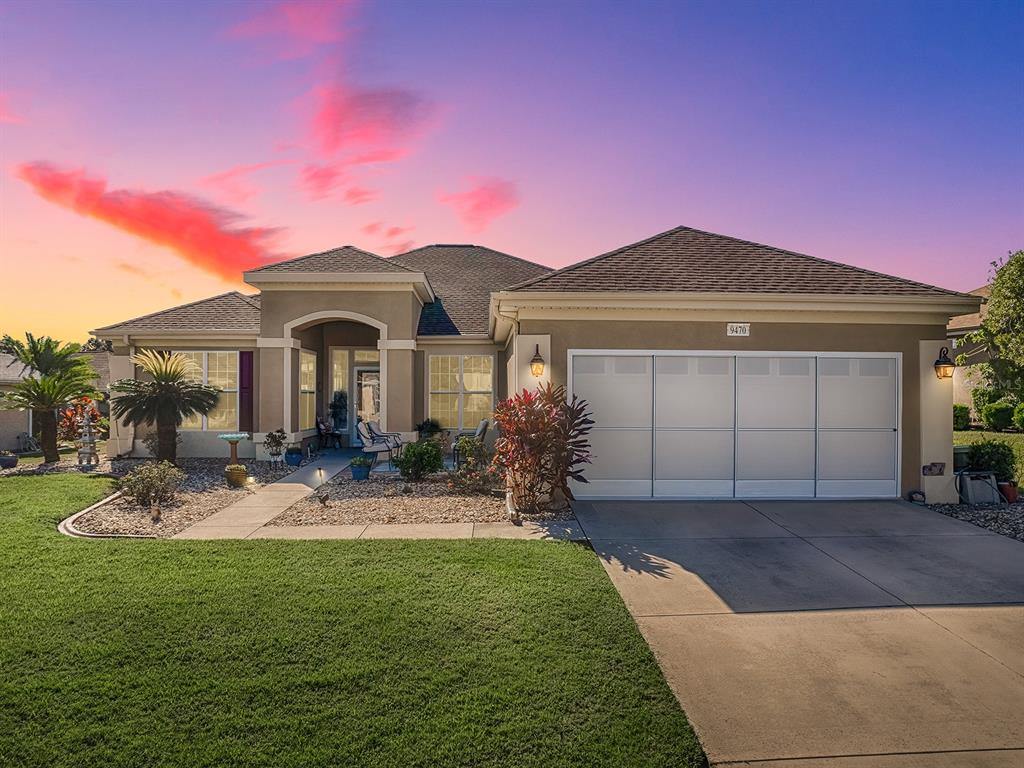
67,525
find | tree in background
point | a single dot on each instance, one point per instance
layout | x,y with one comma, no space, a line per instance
98,345
169,395
55,378
1001,334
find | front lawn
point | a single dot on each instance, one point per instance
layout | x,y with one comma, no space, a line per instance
281,653
1016,439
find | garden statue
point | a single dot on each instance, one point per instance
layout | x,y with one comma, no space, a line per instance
87,456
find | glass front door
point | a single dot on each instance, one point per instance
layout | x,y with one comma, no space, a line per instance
368,394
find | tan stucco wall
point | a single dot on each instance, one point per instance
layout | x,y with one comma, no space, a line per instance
399,310
809,337
12,424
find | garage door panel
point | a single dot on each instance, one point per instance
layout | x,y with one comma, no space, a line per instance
694,391
857,393
618,388
856,455
693,454
775,454
621,464
775,392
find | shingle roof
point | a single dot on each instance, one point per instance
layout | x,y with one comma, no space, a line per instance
463,277
100,362
347,258
11,371
688,260
971,322
231,311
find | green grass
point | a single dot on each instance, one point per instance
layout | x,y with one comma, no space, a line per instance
277,653
1016,439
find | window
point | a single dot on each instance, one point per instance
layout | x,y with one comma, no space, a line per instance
367,356
307,389
339,372
461,389
220,370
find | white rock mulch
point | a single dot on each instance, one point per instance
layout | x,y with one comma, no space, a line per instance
1000,518
203,492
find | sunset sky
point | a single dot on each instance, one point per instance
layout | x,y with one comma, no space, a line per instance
151,151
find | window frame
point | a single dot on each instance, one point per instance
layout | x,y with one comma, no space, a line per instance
462,391
205,427
300,391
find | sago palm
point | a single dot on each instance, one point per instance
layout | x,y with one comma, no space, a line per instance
43,394
167,397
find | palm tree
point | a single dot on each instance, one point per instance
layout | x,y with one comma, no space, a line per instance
166,398
56,378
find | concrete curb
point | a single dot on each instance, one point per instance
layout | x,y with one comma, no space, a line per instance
67,525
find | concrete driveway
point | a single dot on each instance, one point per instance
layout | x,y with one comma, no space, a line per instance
843,634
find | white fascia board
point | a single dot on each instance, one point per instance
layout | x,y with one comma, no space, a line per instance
338,281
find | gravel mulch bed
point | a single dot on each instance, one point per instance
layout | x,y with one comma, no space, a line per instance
203,493
387,499
999,518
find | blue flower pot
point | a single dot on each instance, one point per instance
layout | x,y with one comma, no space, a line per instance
360,473
8,462
293,459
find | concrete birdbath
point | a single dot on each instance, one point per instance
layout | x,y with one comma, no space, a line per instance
233,439
235,473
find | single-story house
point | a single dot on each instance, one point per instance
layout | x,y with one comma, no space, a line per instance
715,367
13,424
966,377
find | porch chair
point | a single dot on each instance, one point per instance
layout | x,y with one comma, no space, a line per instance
327,435
480,434
373,446
393,438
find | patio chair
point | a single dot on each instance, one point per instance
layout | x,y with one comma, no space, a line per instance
372,445
394,438
480,434
327,435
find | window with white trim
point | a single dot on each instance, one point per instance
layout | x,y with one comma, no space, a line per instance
307,389
461,390
220,370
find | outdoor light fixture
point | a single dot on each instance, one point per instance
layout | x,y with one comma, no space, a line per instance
537,363
944,366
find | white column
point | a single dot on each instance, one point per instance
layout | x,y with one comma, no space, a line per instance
936,425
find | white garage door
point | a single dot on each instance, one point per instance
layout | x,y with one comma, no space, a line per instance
715,425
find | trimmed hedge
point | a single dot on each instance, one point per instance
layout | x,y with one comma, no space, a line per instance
961,417
997,416
993,456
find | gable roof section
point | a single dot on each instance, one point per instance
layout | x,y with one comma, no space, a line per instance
11,371
463,277
688,260
962,324
347,258
232,312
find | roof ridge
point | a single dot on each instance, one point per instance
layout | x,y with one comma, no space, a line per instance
323,253
249,300
168,309
592,259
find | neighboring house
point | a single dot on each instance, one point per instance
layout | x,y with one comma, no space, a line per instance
715,367
12,423
966,378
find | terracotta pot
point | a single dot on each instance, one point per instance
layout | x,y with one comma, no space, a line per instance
236,477
1009,491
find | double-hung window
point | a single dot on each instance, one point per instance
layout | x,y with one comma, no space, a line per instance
461,389
220,370
307,389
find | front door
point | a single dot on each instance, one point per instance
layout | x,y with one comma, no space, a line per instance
367,394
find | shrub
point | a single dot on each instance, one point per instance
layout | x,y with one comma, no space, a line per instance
151,485
475,473
1018,417
997,416
543,445
428,428
961,417
360,461
70,425
982,396
993,456
419,460
273,442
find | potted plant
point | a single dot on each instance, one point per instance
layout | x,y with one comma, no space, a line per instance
273,444
428,428
8,460
339,410
236,475
360,467
293,456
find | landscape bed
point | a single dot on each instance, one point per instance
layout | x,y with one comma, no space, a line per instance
281,653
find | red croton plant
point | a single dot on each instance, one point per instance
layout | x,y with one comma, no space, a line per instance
543,445
71,418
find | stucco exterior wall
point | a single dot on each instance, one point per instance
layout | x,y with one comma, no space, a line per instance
765,336
399,310
12,424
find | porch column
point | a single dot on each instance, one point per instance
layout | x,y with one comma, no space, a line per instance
397,390
936,425
122,438
276,390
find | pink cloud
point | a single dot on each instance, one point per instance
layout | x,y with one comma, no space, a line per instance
318,181
373,227
347,117
7,113
201,233
378,156
296,28
234,183
396,231
360,195
397,248
486,199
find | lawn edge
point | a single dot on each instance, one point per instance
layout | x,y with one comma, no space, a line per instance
67,525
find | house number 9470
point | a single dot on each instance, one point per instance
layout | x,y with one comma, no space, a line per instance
737,329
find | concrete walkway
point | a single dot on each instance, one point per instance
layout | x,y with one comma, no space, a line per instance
835,634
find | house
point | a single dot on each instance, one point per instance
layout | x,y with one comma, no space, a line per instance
13,424
715,367
965,377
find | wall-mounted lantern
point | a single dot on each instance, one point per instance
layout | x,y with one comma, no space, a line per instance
944,367
537,363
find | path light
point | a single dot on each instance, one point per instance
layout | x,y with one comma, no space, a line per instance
944,367
320,475
537,363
